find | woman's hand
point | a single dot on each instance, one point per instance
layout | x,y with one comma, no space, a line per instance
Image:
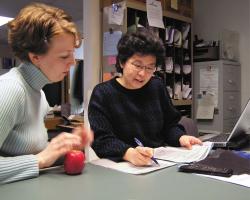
187,141
85,134
139,156
61,144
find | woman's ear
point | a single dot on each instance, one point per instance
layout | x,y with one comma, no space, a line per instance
121,65
35,59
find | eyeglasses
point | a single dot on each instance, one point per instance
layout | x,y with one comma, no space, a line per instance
138,67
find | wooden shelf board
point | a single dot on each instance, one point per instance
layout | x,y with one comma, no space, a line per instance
142,7
136,5
182,102
177,16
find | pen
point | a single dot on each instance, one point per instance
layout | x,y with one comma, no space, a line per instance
242,154
138,142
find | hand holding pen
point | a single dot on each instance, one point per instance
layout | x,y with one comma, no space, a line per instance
138,142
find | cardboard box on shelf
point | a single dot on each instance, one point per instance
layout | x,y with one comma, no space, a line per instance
52,123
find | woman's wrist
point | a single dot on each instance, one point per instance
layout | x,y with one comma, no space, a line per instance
127,154
41,161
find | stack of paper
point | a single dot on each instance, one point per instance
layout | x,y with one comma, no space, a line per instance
167,156
183,155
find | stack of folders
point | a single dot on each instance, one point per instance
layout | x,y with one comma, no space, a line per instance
183,155
221,163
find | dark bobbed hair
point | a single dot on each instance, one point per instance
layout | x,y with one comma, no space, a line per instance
35,26
142,42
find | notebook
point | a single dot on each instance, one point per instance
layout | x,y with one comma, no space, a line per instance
239,135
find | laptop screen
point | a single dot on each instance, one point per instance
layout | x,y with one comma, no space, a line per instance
243,123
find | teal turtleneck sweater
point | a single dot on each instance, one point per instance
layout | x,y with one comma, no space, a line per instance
23,106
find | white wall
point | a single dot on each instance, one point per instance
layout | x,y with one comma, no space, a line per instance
92,48
79,52
79,25
92,55
212,16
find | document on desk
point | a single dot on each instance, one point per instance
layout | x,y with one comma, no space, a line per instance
243,179
183,155
127,167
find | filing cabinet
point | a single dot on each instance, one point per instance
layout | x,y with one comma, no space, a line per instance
225,83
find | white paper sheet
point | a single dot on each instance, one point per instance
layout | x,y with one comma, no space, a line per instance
174,4
209,82
243,179
110,41
183,155
205,109
127,167
154,13
115,16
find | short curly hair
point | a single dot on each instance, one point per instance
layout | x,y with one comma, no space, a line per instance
142,42
35,25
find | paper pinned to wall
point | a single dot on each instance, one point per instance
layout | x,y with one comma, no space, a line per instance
111,60
116,13
154,13
174,4
205,109
110,41
209,82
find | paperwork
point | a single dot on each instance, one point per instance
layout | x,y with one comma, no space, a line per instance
243,179
209,82
127,167
154,13
183,155
168,156
205,109
116,13
110,41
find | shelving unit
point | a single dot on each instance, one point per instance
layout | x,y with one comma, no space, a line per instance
6,63
175,20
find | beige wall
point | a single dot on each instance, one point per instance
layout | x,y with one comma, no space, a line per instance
92,48
212,16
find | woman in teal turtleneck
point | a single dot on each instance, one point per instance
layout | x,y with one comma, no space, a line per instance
44,39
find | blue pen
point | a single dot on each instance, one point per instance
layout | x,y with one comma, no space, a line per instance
141,145
243,154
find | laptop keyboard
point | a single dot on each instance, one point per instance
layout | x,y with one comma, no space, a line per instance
219,138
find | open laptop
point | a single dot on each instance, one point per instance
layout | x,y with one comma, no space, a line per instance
238,136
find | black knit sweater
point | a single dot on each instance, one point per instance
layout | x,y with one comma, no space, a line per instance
117,115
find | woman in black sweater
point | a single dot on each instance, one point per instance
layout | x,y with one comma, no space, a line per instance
135,105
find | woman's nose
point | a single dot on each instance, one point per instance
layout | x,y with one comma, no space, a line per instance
142,72
72,61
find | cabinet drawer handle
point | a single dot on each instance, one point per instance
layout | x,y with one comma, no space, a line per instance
230,81
230,108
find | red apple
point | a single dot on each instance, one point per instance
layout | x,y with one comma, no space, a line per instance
74,162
